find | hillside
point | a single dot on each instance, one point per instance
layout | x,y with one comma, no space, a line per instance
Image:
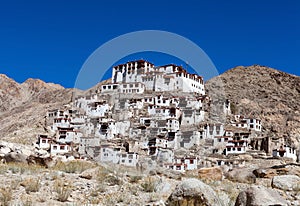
269,94
260,91
23,107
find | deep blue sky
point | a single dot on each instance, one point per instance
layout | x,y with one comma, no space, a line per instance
50,40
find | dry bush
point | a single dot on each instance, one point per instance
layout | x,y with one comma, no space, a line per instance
31,185
5,196
76,166
63,190
21,168
135,179
149,185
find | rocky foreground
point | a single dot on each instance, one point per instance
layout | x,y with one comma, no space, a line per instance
34,181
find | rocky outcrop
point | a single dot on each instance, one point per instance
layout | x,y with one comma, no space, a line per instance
211,174
11,152
241,175
286,182
23,107
15,157
41,161
269,94
270,172
259,196
193,192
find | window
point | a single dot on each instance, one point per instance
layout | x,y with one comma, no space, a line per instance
54,147
130,85
129,161
239,149
191,161
62,147
43,141
219,139
123,161
178,167
125,86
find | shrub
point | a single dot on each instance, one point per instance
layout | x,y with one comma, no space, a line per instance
31,185
112,180
149,185
63,191
75,166
135,179
5,196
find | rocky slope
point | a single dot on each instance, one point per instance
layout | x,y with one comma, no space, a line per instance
263,92
23,107
260,91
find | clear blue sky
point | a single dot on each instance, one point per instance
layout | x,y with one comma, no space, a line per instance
50,40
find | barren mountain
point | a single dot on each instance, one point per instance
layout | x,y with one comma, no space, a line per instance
259,91
23,107
269,94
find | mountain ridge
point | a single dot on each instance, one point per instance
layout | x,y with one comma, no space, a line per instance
267,93
260,91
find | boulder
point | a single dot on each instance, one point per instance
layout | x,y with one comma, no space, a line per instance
89,173
211,174
193,192
265,173
15,157
4,150
260,196
241,175
166,172
42,161
286,182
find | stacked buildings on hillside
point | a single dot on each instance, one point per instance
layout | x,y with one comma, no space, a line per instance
151,112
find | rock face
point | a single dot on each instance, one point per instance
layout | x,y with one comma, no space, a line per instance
193,192
241,175
15,157
286,182
23,107
259,196
269,94
283,169
211,174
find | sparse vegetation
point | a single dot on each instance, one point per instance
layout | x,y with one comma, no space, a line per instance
27,201
5,196
63,190
31,185
135,179
20,168
149,185
113,180
75,166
